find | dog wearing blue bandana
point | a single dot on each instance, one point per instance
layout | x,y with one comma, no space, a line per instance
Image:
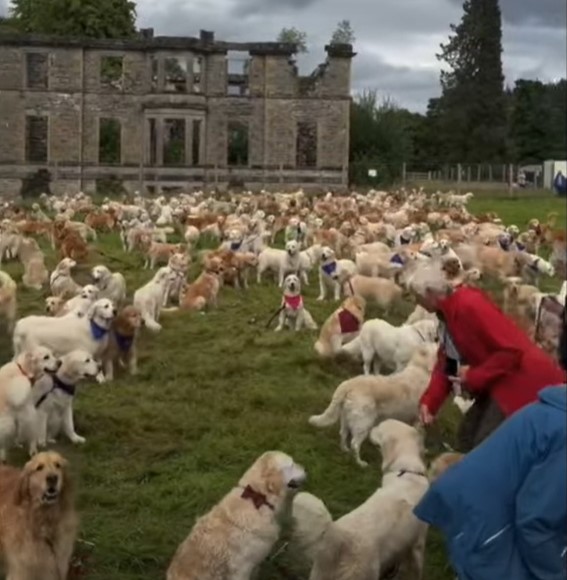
333,273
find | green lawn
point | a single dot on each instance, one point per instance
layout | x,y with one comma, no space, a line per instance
215,390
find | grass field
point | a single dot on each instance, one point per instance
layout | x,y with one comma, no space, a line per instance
215,390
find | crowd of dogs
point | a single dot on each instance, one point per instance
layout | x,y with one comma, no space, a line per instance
363,248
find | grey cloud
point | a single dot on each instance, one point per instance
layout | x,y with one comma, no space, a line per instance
248,7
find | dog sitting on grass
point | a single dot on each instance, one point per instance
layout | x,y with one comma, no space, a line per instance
293,313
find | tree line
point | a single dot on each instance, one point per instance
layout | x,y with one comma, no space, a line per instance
477,119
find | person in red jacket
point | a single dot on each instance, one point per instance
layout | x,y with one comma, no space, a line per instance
482,352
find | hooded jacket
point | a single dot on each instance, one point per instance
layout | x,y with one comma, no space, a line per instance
503,508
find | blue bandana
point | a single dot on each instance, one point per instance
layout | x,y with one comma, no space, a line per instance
97,331
521,247
235,246
397,259
330,268
124,342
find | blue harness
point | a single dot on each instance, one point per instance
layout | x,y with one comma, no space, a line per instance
57,384
124,342
397,259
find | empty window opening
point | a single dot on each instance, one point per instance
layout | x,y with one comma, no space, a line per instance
175,75
37,129
237,144
306,145
37,70
197,74
111,72
155,74
152,142
196,143
174,142
237,68
110,141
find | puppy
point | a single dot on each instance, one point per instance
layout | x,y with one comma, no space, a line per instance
232,540
293,313
381,533
122,347
363,401
53,397
39,525
341,327
16,380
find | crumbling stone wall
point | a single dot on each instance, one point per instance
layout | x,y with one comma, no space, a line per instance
81,91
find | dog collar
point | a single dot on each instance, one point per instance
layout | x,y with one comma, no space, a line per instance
294,302
534,264
257,498
406,471
329,268
124,342
397,259
97,331
57,384
23,372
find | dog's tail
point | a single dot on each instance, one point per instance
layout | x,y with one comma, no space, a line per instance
462,404
311,520
331,414
323,349
353,348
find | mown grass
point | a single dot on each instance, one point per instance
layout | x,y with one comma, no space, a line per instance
215,390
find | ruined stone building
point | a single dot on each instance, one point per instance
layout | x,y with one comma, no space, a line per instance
161,113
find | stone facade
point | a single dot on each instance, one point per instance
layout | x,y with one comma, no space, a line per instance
159,113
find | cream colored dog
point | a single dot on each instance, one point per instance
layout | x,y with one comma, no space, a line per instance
333,273
8,299
293,313
363,401
232,540
381,533
149,298
16,381
385,346
385,293
111,285
60,281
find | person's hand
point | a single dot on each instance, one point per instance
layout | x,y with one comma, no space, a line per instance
425,417
463,370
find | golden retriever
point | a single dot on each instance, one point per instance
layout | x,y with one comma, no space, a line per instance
122,347
232,540
38,522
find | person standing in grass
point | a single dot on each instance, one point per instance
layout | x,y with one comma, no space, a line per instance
482,353
503,507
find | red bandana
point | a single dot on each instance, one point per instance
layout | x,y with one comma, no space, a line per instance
293,302
348,322
257,498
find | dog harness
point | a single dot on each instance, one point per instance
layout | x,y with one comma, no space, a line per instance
124,342
257,498
235,246
330,268
57,384
97,331
397,259
348,322
293,302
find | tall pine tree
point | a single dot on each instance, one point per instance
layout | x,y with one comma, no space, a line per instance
471,114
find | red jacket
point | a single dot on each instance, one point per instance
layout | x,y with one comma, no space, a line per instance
503,360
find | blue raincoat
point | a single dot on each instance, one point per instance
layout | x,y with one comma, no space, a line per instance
503,508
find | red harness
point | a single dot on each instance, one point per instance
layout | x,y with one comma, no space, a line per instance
348,321
293,302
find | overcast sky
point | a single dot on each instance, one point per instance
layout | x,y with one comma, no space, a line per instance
396,40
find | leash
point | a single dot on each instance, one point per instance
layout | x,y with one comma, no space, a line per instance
282,307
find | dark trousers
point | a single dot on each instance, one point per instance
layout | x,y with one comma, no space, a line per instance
484,417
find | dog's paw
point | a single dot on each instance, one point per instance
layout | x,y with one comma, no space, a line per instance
363,464
100,378
320,298
78,440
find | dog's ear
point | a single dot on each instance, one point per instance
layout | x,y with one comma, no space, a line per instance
91,311
23,489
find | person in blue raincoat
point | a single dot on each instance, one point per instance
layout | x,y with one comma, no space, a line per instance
503,508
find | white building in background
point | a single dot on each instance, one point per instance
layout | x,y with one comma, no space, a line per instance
550,170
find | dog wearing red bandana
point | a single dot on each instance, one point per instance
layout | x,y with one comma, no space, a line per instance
341,327
293,313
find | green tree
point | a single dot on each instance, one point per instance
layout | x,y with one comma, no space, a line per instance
471,114
293,36
344,34
76,18
7,25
